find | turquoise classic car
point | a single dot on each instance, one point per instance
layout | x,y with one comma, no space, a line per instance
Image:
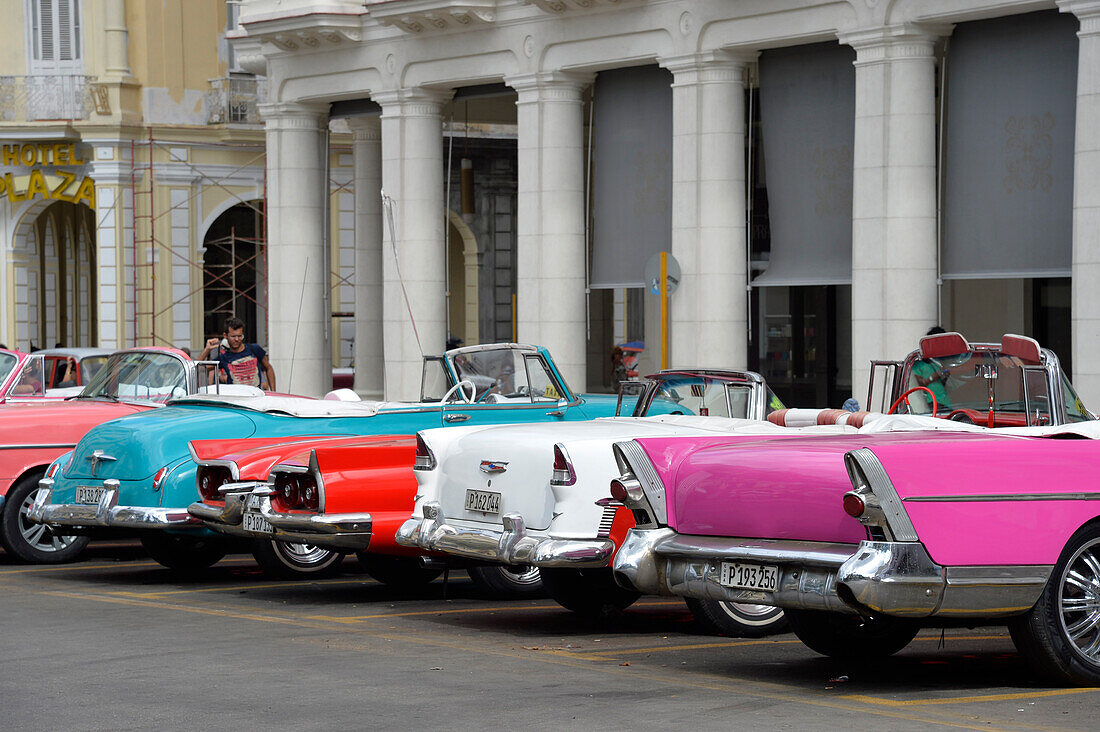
136,476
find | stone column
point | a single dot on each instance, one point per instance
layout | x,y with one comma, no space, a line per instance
1084,298
412,176
709,311
118,39
550,243
894,238
298,318
367,152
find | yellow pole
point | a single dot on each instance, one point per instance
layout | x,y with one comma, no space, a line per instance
664,309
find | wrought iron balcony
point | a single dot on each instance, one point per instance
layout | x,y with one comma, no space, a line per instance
235,100
41,97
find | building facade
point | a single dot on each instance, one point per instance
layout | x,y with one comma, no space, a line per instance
832,178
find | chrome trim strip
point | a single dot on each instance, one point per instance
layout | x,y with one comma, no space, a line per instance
646,474
900,524
1005,497
37,447
509,545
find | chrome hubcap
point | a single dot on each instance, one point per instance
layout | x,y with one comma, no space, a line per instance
1079,601
525,575
304,554
40,536
750,614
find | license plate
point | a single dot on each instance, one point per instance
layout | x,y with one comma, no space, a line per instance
749,576
89,495
483,501
257,524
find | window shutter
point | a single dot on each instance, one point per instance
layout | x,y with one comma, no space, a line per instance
64,31
46,25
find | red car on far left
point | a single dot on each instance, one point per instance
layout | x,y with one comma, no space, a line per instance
35,429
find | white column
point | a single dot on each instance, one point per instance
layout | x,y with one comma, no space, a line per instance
117,37
412,175
297,317
1085,297
894,243
709,310
367,153
550,245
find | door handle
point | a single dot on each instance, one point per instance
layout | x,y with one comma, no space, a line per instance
456,417
556,413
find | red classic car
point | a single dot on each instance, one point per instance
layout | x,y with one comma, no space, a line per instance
35,431
300,500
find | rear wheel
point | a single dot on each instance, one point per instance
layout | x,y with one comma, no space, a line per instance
295,561
850,636
399,572
504,581
590,592
1060,635
184,553
31,542
737,619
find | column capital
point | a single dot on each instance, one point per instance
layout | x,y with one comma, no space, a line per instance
1087,11
294,115
550,85
905,40
716,65
412,101
365,128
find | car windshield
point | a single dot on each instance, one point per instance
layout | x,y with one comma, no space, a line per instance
704,396
142,376
500,374
90,366
7,363
962,381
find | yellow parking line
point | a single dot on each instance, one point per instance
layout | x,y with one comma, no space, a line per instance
116,565
464,610
966,699
238,588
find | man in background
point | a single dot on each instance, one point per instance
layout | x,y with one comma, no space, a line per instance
240,362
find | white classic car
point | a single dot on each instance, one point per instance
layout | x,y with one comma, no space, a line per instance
537,494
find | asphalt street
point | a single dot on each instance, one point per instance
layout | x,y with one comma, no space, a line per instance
116,642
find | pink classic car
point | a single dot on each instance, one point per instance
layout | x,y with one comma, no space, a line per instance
863,539
35,430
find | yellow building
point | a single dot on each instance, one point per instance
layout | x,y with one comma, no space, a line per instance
132,178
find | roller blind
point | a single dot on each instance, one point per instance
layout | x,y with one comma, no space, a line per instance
807,117
632,173
1008,163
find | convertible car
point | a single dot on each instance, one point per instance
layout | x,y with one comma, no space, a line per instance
528,495
137,474
35,431
863,539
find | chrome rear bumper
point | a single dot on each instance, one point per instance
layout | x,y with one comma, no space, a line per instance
512,545
892,578
343,531
106,513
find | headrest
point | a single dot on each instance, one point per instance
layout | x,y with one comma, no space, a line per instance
342,395
1024,348
943,344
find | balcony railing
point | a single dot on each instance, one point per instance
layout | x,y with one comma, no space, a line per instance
45,97
235,100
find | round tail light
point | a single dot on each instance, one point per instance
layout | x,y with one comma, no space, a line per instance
311,496
854,505
210,479
286,487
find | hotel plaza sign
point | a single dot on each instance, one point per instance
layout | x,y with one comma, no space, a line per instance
47,177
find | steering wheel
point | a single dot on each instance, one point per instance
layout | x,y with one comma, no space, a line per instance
961,417
468,398
905,398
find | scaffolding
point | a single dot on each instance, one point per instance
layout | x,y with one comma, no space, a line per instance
225,282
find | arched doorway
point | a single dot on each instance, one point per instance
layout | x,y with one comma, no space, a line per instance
462,267
235,271
55,277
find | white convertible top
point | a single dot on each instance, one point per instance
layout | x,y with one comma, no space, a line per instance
298,406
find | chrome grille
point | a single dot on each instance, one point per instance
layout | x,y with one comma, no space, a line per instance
607,519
